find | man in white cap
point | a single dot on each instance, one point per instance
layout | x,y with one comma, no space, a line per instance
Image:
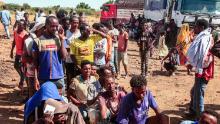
35,32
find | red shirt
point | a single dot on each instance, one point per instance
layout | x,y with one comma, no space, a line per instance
208,73
121,41
19,41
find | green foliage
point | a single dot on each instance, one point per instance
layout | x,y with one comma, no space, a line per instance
86,11
83,5
12,6
110,2
26,6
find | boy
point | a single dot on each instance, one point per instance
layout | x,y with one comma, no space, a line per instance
135,105
19,37
122,49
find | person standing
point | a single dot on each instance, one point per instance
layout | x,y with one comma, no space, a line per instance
19,37
122,49
6,20
49,53
146,41
71,34
199,56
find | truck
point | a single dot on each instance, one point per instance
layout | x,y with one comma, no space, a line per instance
121,10
183,10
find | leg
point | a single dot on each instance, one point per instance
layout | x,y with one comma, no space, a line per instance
31,89
119,62
142,62
199,95
7,31
18,68
116,59
146,63
125,62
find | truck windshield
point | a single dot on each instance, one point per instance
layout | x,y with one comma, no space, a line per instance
210,7
105,8
155,4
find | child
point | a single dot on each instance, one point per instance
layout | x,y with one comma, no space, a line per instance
163,50
122,49
94,71
174,61
19,37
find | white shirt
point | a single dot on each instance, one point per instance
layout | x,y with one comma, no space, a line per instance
70,38
114,32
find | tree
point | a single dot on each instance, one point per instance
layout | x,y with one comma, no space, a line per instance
83,5
26,6
110,2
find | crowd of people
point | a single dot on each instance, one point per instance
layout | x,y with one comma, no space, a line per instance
63,44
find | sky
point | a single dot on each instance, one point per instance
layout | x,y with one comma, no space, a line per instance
96,4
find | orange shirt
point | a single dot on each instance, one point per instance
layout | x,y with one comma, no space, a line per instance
19,41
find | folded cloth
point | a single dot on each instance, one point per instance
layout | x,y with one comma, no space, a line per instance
199,49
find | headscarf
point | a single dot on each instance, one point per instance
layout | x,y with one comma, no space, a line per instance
47,90
183,37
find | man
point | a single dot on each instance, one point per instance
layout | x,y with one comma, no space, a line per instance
19,37
84,89
113,32
35,33
82,48
49,53
71,34
123,49
199,57
6,20
100,49
146,42
18,16
109,101
207,117
135,105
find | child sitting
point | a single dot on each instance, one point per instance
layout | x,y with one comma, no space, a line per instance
171,65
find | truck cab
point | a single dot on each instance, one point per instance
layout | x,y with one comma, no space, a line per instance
109,12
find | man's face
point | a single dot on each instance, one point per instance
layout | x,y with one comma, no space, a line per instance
109,84
86,70
74,24
207,119
144,27
86,32
139,92
197,29
52,28
60,119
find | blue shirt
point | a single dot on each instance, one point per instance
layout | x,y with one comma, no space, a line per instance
130,113
5,17
50,61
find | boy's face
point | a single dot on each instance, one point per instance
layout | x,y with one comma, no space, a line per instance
75,24
139,92
93,70
21,25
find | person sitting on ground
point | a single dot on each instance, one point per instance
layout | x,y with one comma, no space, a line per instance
83,91
174,61
109,100
63,114
207,117
46,91
135,105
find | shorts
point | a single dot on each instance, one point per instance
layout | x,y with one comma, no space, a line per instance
123,56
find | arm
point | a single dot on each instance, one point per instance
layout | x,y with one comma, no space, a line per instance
126,42
122,117
35,55
99,32
12,48
103,107
63,50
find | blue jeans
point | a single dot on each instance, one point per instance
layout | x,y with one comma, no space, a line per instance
114,59
197,96
6,27
188,122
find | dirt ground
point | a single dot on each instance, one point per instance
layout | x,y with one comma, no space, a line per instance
171,93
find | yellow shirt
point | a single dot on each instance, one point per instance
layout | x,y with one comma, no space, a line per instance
84,50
